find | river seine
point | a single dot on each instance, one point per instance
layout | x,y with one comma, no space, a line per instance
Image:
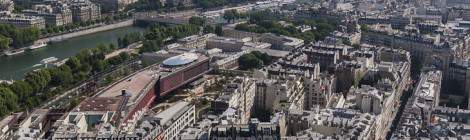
15,67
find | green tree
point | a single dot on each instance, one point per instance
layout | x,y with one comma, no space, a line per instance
38,79
119,42
20,37
65,68
145,5
124,56
230,15
80,76
151,46
3,108
103,48
208,29
159,34
263,57
249,61
262,22
86,68
22,89
61,77
207,4
4,43
11,99
73,103
197,21
258,16
364,27
32,102
219,30
112,46
98,66
125,41
85,56
74,63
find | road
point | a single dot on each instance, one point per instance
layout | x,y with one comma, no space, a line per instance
131,48
88,31
77,88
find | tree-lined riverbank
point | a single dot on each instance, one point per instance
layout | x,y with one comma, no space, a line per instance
14,67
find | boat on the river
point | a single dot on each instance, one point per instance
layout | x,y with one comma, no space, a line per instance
49,60
37,45
8,82
61,62
37,65
13,52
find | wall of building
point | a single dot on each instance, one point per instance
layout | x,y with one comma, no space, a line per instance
177,79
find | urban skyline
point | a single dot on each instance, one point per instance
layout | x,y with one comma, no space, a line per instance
238,69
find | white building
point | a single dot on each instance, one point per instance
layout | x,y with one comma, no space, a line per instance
33,127
226,44
195,41
331,124
92,118
419,110
281,42
7,5
23,21
318,91
236,100
175,119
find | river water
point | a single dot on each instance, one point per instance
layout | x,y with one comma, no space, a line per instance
15,67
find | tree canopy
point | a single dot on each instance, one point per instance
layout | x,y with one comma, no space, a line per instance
265,21
17,37
254,60
197,21
128,39
37,86
232,15
4,43
207,4
157,36
8,101
145,5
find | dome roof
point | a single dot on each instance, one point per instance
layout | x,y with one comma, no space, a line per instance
180,59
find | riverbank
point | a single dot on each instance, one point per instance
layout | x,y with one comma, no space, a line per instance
132,48
65,36
14,67
62,37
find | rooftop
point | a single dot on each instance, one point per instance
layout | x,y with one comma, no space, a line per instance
181,59
133,85
100,104
270,52
172,112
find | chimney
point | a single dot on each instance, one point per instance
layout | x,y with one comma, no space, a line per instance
123,92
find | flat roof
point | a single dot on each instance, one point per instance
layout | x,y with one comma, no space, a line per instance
7,120
133,85
100,104
270,52
170,113
181,59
